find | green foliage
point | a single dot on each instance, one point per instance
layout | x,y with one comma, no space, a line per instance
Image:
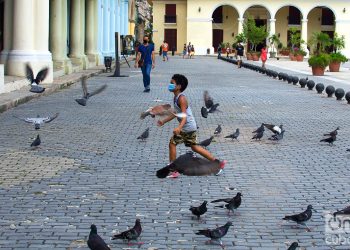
240,38
254,34
338,43
274,41
338,57
319,41
295,38
320,60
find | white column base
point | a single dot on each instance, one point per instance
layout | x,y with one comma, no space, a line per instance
94,58
2,82
37,59
65,64
82,61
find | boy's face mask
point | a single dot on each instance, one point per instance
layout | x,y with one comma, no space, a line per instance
171,87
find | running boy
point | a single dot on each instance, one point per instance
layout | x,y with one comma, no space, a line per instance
186,131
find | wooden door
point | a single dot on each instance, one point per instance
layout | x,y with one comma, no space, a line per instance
170,36
218,37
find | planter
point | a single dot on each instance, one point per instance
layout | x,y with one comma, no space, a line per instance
299,58
249,56
334,66
292,57
255,57
317,71
223,50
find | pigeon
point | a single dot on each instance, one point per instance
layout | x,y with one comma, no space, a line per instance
131,234
216,234
213,108
302,217
157,110
206,142
330,140
218,130
233,136
95,242
34,82
144,135
188,164
36,142
277,137
204,112
333,133
345,211
37,121
82,101
198,211
258,135
259,129
293,246
233,204
208,100
274,128
348,150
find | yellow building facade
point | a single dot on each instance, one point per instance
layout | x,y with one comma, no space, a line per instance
205,23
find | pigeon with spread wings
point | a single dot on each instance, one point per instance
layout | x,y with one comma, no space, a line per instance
86,95
38,121
34,82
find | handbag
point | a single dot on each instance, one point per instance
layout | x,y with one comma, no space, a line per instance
141,62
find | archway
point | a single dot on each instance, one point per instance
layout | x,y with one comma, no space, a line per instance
225,26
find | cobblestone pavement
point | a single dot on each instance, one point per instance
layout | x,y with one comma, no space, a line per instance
91,169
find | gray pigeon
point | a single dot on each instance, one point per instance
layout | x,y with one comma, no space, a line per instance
95,242
198,211
293,246
213,108
206,142
208,100
274,128
259,129
232,204
258,135
233,136
131,234
144,135
277,137
330,140
345,211
302,217
34,82
83,101
218,130
36,142
216,234
333,133
204,112
38,121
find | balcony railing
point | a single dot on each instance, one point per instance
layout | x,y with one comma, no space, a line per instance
169,19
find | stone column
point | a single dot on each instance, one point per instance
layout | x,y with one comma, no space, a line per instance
342,29
240,25
77,34
112,26
304,36
117,16
58,35
91,34
106,24
122,17
126,17
30,38
8,29
272,31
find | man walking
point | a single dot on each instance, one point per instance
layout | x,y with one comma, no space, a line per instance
145,59
165,48
239,53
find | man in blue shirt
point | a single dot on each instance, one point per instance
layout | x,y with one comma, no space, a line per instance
147,58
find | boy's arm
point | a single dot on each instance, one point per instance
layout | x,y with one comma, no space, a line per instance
183,105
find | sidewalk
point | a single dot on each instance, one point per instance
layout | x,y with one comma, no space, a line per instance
23,95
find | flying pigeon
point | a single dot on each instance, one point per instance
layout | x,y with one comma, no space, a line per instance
131,234
333,133
232,204
258,135
34,82
36,142
302,217
95,242
345,211
213,108
277,137
259,129
188,164
208,100
348,150
218,130
198,211
38,121
233,136
330,140
144,135
161,110
82,101
206,142
204,112
274,128
216,234
293,246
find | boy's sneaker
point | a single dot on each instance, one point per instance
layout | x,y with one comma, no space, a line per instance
174,175
222,165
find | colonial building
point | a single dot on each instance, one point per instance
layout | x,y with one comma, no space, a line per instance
65,35
206,23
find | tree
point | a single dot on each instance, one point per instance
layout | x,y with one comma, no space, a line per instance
295,38
319,41
338,43
254,34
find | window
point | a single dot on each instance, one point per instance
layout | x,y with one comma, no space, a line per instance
294,17
170,13
217,15
327,17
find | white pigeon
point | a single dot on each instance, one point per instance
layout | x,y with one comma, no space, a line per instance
37,121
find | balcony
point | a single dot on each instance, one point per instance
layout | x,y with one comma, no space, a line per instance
169,19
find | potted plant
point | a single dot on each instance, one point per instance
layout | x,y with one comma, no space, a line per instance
284,51
318,63
274,40
223,47
299,54
295,39
337,58
254,35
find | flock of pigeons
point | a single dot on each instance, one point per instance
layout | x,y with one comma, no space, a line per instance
199,166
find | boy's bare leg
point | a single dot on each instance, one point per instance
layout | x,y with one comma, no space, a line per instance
203,152
172,152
